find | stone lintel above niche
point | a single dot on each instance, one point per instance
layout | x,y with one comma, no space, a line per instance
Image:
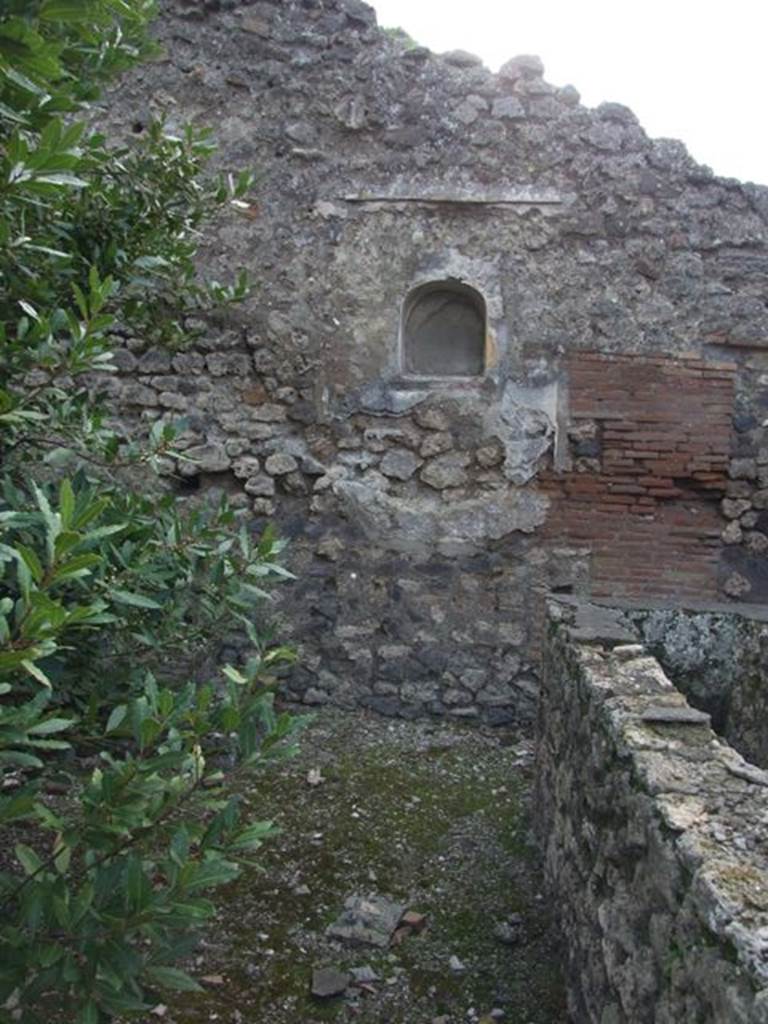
518,196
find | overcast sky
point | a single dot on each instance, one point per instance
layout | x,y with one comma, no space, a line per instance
695,71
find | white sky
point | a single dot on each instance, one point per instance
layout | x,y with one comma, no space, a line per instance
694,70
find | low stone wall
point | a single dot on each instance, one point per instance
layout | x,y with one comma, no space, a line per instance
719,659
654,834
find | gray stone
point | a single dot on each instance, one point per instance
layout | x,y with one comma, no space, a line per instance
508,107
137,394
351,112
280,463
368,920
328,982
446,471
261,485
742,469
436,444
155,361
756,542
466,113
400,464
521,66
675,715
206,458
125,361
255,26
222,364
418,692
245,466
462,59
431,418
732,534
269,413
315,696
628,652
489,455
737,585
365,975
510,932
496,695
170,400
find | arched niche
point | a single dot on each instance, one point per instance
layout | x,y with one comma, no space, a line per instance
443,331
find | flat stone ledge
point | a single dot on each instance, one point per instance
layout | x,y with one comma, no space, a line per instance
523,195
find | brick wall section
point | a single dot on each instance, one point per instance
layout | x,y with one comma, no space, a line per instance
644,487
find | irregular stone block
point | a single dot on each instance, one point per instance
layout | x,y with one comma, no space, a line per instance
446,471
400,464
206,458
261,485
508,107
368,920
280,463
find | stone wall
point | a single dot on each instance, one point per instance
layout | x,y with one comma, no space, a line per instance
719,659
616,429
654,839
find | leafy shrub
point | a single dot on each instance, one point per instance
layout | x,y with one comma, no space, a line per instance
114,818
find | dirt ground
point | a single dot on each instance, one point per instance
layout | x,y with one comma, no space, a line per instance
432,816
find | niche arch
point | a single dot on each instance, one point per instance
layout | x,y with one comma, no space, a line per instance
443,331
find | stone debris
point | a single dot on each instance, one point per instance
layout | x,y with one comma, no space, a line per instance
456,965
413,920
369,920
364,975
328,982
511,931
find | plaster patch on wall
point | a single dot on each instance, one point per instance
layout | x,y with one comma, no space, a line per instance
424,524
525,421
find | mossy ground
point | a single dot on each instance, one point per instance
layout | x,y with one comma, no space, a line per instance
433,816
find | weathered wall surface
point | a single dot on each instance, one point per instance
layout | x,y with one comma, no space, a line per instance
655,841
719,660
429,516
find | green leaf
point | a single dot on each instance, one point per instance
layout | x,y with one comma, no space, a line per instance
253,836
62,860
66,10
89,1014
51,725
37,673
172,978
28,859
20,805
31,561
116,718
61,179
20,758
179,848
135,600
66,503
